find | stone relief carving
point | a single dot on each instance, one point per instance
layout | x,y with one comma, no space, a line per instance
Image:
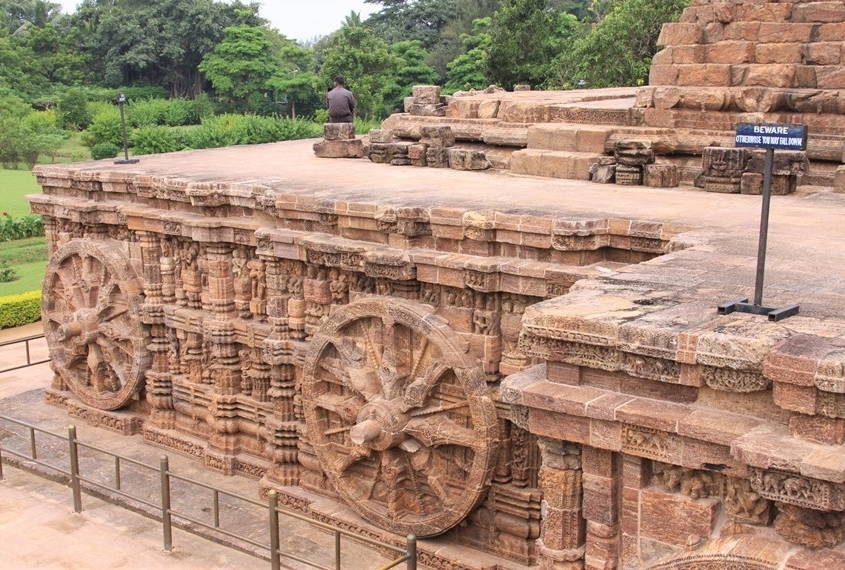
399,417
744,505
91,306
797,490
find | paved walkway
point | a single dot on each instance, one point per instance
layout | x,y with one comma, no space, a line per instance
38,528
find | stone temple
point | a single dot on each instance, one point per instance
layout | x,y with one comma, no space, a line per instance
525,366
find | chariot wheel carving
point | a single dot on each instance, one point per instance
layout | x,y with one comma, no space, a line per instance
91,301
400,417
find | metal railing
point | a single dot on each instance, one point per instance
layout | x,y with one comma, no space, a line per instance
79,482
26,341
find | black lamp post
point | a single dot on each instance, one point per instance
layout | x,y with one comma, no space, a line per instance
121,100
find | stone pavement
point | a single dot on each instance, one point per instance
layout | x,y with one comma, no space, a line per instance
38,528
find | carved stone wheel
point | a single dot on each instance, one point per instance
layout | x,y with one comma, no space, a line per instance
399,416
90,305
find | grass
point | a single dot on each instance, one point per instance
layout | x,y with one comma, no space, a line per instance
29,258
14,185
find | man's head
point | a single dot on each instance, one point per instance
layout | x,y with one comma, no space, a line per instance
339,81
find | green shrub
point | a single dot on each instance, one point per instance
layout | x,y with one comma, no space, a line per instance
7,273
105,128
178,112
12,228
104,150
147,113
154,140
72,112
18,310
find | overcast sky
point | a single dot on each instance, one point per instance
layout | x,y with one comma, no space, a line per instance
295,19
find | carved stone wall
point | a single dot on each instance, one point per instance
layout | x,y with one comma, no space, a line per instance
330,348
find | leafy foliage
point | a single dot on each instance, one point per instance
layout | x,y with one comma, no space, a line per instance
525,41
72,112
153,140
467,71
17,310
104,150
7,272
619,50
12,228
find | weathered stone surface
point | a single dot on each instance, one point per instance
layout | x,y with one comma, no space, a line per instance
463,159
381,136
426,94
437,136
674,519
338,131
661,175
339,149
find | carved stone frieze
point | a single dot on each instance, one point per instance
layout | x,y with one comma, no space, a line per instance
731,380
794,489
646,442
744,505
657,369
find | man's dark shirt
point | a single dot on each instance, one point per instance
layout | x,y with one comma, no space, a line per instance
341,105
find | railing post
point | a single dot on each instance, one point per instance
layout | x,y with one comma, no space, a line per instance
412,552
166,522
74,469
273,499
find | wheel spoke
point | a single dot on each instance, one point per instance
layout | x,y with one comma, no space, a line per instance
344,406
436,431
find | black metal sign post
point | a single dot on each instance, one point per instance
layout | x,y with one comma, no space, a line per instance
770,136
121,100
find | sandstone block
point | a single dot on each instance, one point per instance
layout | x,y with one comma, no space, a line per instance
818,12
830,77
773,75
830,32
780,32
778,53
416,154
730,52
379,153
663,75
553,164
741,31
426,94
407,103
339,149
437,157
338,131
521,87
688,54
427,110
463,108
714,32
634,152
488,109
674,519
552,137
752,183
750,12
710,75
823,53
381,136
805,76
661,175
663,57
827,431
437,136
603,171
464,159
629,175
673,34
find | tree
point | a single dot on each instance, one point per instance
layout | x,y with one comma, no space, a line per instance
468,71
159,43
366,63
410,70
526,38
619,50
241,66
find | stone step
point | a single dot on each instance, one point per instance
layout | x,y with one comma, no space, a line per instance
553,164
569,137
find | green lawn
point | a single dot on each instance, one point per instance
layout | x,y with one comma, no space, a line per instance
14,185
29,258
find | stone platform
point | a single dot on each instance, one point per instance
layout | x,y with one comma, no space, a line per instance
576,322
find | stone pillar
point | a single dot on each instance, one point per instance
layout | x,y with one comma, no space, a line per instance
159,382
636,475
561,542
601,508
